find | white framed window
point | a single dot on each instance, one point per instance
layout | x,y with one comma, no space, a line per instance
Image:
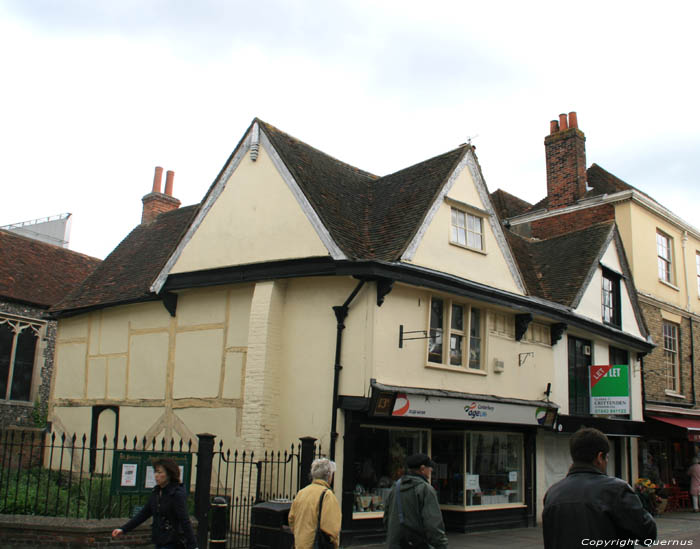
697,269
664,252
460,325
671,356
610,299
18,345
467,229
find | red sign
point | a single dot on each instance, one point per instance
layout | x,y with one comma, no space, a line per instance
598,372
694,436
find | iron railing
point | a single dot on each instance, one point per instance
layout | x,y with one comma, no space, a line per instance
55,474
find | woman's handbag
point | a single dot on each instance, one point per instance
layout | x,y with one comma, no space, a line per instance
322,540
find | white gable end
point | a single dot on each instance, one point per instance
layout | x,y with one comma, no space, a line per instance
591,303
435,246
258,215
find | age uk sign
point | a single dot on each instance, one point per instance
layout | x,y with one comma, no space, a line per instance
610,389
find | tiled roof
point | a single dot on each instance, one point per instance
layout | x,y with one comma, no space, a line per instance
507,205
339,193
556,269
369,217
127,273
38,273
402,200
600,182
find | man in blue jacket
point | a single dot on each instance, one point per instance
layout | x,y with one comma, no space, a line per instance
412,515
589,506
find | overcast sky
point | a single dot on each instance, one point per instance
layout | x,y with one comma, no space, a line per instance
95,94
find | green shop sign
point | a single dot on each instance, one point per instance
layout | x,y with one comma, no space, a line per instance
610,389
132,470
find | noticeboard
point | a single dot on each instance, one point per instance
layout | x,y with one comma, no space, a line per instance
132,470
610,389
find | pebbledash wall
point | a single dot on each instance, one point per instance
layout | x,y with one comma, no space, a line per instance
21,413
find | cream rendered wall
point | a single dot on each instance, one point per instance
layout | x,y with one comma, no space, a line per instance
643,250
309,335
168,376
255,218
409,366
436,252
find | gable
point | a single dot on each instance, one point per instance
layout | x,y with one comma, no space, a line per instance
590,303
255,218
432,247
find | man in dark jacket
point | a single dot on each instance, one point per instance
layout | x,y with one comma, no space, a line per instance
422,520
588,505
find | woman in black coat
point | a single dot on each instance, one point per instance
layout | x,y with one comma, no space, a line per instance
167,505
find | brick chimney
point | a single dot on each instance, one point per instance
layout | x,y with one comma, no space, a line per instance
565,151
156,202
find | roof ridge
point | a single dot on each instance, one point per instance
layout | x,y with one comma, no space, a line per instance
464,147
269,127
42,243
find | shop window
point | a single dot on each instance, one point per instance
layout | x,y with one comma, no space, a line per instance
467,230
18,343
453,322
478,468
381,460
671,356
664,257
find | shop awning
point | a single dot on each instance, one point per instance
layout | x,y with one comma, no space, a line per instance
610,426
690,425
421,403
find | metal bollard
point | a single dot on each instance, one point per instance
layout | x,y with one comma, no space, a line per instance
219,523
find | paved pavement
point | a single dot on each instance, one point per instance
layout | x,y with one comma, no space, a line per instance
675,528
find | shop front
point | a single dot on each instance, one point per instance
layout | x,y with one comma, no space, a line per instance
483,447
668,448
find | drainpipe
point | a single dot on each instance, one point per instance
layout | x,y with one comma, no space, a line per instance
341,312
684,240
692,359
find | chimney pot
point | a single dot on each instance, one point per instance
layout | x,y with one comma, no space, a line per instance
563,125
553,127
573,121
169,176
157,178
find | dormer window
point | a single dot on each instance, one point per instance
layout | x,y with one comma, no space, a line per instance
611,298
467,230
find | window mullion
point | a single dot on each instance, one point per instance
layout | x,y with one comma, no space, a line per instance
467,334
11,366
447,331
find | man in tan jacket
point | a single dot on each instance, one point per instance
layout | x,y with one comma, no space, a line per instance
303,516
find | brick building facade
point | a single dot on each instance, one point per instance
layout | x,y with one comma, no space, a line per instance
663,252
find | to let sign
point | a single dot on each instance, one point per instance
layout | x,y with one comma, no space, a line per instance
610,389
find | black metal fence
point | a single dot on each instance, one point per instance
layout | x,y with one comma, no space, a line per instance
54,474
244,479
